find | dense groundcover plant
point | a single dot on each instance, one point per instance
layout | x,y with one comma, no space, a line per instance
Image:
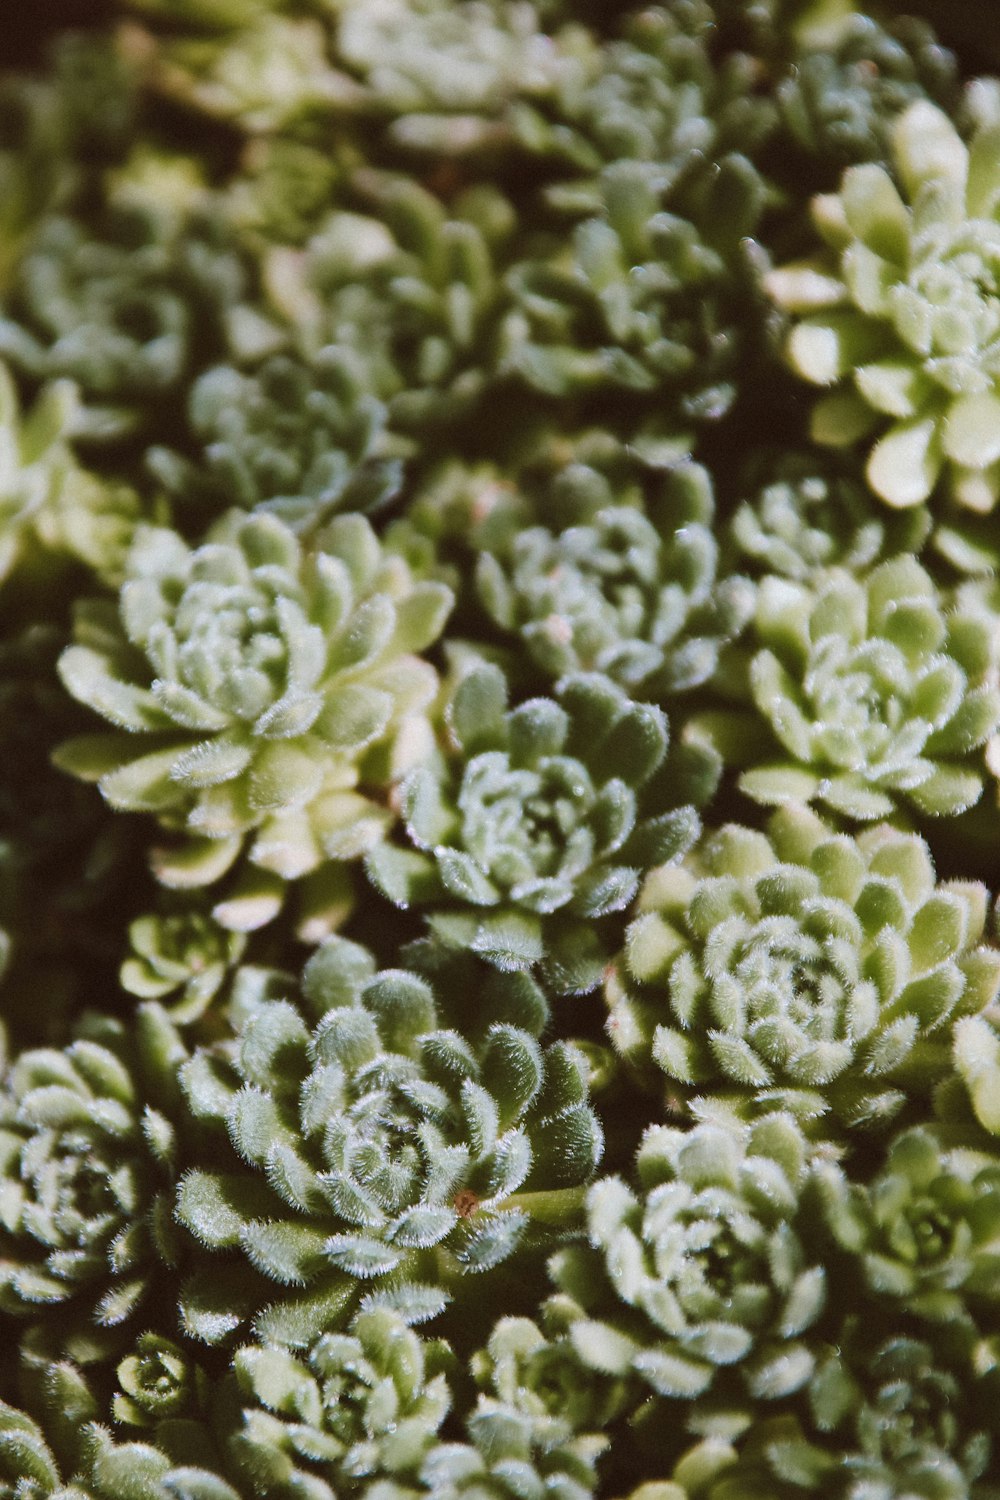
500,727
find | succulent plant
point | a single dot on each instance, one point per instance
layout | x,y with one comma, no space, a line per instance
182,958
703,1271
977,1065
540,1374
877,693
38,465
541,828
629,592
510,1454
891,1417
809,970
396,425
364,1406
378,1148
840,104
523,1438
655,94
427,65
806,515
267,76
98,1468
119,314
301,441
89,1148
639,302
262,682
901,313
924,1229
157,1382
52,127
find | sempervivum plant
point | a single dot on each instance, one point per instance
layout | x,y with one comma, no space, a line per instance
511,1453
808,969
898,1415
181,958
85,1463
654,94
924,1229
363,1405
629,592
119,315
639,302
701,1278
50,505
253,683
426,1073
838,103
430,66
411,288
877,694
901,313
378,1152
805,514
540,827
298,439
89,1153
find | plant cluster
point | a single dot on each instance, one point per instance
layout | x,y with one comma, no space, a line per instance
500,712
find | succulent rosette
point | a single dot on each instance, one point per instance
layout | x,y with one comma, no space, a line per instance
533,1430
253,684
542,827
639,303
427,67
89,1153
300,440
629,592
879,692
510,1454
158,1382
362,1406
806,514
895,1415
120,315
924,1229
89,1465
839,103
808,969
378,1152
182,958
411,288
655,93
901,313
702,1275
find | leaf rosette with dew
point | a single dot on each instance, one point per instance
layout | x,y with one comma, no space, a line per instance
359,1407
924,1231
890,1415
806,514
640,306
630,592
181,958
299,439
839,103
